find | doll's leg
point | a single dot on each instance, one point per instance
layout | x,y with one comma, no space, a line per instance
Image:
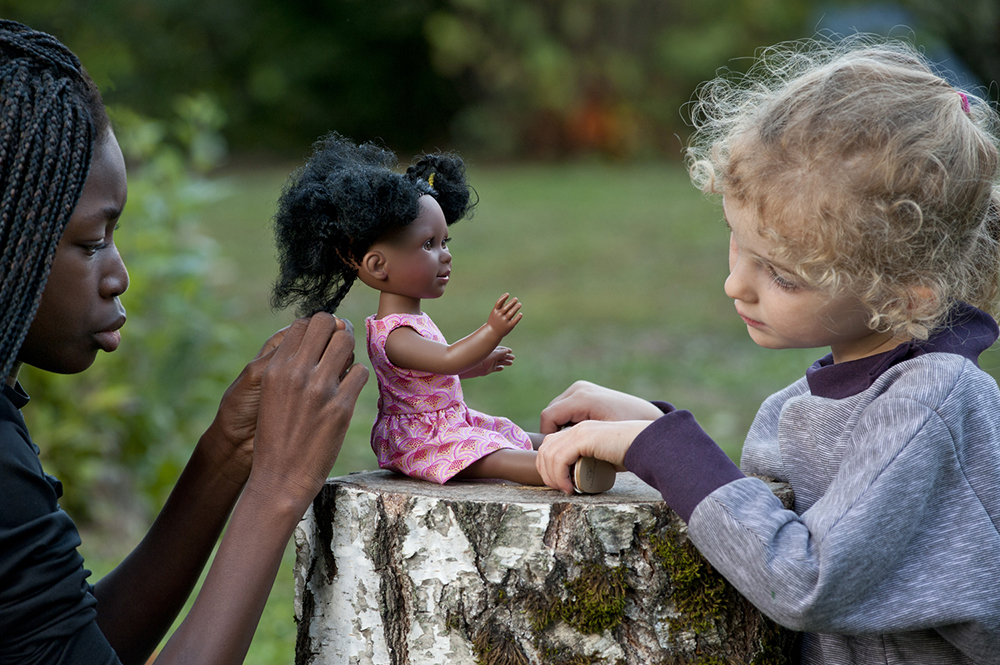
508,464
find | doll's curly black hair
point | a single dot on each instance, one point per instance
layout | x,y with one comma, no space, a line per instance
346,198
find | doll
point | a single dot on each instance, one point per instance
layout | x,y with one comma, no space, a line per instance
348,215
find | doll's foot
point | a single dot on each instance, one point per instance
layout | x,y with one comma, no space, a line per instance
593,476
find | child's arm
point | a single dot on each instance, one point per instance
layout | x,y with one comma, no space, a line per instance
406,348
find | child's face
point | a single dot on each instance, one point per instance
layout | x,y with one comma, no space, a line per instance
418,263
781,313
80,313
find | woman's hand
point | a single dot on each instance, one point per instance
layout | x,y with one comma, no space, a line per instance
587,401
607,441
505,315
236,421
500,357
307,395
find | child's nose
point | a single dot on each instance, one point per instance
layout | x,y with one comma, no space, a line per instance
738,286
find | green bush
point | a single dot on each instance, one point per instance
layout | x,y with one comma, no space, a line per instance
128,424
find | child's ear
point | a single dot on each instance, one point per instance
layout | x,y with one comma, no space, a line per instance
922,299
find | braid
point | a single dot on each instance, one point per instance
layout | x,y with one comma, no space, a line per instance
50,115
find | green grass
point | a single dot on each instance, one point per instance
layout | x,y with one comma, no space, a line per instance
620,269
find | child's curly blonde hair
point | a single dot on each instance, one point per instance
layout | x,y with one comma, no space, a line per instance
872,174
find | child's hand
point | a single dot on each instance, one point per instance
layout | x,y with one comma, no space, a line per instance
607,441
588,401
499,358
505,315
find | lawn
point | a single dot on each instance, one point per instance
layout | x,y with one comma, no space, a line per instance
620,269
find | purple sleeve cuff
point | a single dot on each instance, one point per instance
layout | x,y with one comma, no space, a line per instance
677,457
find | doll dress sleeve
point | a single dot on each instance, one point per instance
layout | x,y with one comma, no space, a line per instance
423,428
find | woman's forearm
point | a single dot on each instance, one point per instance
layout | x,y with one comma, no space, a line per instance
141,598
221,624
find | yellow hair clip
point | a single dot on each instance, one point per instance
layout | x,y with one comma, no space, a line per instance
430,180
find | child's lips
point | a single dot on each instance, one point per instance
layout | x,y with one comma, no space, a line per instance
753,323
444,277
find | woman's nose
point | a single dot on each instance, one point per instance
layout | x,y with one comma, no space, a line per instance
115,280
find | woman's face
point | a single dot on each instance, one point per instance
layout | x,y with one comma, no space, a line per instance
80,312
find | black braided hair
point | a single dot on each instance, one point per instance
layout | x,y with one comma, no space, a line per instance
345,199
50,114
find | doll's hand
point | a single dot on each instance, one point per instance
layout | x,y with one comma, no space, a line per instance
505,315
587,401
607,441
499,358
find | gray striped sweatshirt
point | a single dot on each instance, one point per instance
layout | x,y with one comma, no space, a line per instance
892,553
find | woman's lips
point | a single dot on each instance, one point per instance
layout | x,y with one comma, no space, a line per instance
110,338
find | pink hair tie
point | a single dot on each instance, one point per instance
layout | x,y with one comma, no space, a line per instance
965,103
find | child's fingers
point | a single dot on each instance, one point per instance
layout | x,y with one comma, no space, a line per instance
556,457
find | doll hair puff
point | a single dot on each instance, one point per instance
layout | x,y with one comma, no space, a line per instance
345,199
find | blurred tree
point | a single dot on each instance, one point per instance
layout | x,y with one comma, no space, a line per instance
558,77
119,433
971,29
285,72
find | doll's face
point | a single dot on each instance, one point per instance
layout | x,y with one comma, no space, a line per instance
416,262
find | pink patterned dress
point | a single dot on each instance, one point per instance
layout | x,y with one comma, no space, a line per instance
423,428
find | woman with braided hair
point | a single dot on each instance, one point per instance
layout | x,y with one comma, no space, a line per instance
62,190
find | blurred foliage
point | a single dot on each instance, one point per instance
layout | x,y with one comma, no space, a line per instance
557,77
128,424
494,78
970,28
285,72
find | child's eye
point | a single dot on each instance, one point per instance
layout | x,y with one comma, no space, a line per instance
780,281
444,243
93,248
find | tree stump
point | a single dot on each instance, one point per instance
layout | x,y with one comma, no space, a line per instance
397,571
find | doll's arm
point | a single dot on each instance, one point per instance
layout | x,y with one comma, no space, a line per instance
499,358
406,348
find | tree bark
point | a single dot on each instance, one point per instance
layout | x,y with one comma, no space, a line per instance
397,571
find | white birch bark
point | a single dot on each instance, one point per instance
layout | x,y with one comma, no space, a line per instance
396,571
